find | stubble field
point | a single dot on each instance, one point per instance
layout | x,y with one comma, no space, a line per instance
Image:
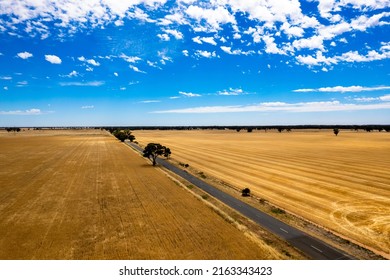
341,183
85,195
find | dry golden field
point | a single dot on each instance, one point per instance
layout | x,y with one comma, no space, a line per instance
84,195
341,183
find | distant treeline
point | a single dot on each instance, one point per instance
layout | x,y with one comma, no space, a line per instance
279,128
249,128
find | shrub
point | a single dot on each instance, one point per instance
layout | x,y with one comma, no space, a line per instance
246,192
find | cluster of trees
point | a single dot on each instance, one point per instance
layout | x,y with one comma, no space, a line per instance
14,129
123,135
153,150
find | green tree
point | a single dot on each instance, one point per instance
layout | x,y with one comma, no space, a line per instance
246,192
336,131
122,135
153,150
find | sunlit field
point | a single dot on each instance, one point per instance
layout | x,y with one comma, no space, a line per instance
339,182
84,195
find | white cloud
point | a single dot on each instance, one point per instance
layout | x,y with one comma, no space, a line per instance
149,101
237,36
292,31
343,89
177,34
231,91
119,22
189,94
136,69
93,62
24,55
83,84
72,74
53,59
22,83
163,37
197,40
385,97
87,107
23,113
205,54
89,61
324,106
5,88
209,40
130,59
213,17
236,52
271,46
315,42
116,74
365,99
185,53
5,78
153,64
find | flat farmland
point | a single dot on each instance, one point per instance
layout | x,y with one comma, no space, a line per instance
341,183
85,195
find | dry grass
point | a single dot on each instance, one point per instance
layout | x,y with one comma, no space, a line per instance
84,195
341,183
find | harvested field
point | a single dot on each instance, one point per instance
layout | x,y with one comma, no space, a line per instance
341,183
85,195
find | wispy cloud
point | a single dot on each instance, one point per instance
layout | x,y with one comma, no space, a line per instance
23,113
232,91
383,98
83,84
136,69
5,78
149,101
189,94
87,107
130,59
326,106
342,89
72,74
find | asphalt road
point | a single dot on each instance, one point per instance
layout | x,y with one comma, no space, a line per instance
313,248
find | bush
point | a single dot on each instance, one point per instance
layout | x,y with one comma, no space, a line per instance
246,192
278,211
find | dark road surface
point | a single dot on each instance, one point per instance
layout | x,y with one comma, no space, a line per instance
310,246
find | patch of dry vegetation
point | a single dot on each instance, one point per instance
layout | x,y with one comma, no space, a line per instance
85,195
341,183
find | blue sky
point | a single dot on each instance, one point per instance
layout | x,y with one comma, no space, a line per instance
219,62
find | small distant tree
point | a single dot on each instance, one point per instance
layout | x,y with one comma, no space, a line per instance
153,150
336,131
14,129
249,129
246,192
280,129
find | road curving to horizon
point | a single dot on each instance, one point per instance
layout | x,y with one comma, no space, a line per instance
312,247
